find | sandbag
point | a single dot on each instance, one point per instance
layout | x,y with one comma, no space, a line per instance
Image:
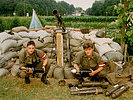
116,46
100,34
49,45
6,57
75,43
16,37
76,35
43,34
10,55
19,29
3,72
51,71
37,43
67,73
15,71
76,49
31,35
21,42
102,49
89,37
17,61
93,32
6,45
104,59
58,73
3,63
4,36
48,40
102,41
114,56
47,50
9,66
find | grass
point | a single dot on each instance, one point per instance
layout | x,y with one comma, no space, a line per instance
14,88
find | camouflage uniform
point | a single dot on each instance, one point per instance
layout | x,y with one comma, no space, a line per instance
89,63
36,61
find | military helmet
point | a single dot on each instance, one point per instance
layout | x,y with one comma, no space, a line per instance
100,34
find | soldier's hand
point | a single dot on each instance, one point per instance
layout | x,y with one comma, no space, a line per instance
43,68
77,73
30,71
23,69
92,73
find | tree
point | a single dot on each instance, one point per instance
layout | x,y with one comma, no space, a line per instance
100,8
42,7
125,24
79,9
22,8
69,8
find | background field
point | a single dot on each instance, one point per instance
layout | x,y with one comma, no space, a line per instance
90,22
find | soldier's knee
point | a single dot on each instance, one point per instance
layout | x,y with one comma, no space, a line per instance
22,74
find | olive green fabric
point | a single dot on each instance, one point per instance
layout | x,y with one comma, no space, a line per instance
25,58
85,63
32,61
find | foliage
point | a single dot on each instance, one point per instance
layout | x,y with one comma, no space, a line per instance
15,23
42,7
79,9
22,8
69,9
1,26
128,19
100,8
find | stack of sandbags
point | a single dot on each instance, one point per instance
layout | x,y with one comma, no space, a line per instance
15,71
60,72
8,47
76,40
106,48
6,69
11,42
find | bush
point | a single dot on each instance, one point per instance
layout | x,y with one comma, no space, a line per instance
15,23
1,26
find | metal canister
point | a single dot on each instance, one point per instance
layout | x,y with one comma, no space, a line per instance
119,91
112,89
87,91
94,84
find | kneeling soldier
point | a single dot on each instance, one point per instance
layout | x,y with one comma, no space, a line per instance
89,60
33,58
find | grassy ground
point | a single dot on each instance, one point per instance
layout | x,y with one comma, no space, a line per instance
13,88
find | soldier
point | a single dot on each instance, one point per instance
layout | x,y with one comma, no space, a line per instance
89,60
33,58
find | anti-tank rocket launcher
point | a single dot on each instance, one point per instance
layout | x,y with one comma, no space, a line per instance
34,70
85,72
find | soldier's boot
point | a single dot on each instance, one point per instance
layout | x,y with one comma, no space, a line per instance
44,80
80,80
27,80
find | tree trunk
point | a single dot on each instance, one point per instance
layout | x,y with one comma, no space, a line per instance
124,26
